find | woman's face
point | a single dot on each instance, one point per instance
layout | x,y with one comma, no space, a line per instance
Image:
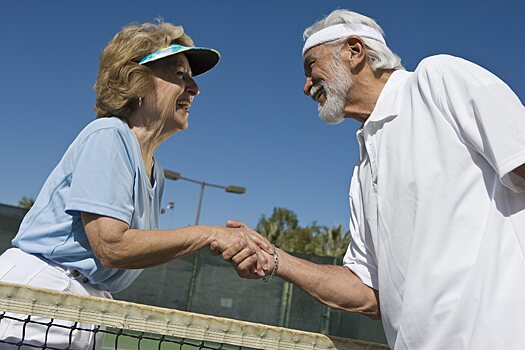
175,90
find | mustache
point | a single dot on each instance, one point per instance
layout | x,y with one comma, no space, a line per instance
317,89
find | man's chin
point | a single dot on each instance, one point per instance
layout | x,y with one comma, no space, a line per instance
331,111
332,119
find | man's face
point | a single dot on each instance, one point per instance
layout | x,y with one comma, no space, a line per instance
327,81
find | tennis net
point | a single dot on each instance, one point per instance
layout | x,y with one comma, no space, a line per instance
41,316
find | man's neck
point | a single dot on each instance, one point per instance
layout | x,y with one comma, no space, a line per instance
365,91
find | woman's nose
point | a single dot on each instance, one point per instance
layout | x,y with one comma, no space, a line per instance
192,86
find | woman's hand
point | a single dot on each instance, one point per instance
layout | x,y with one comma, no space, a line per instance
250,252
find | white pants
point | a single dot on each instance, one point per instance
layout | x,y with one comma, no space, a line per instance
19,267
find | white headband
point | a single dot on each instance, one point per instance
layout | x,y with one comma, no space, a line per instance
339,31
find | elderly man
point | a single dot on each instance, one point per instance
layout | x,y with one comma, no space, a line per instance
437,202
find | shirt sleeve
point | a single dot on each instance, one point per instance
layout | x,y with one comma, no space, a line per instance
487,115
360,255
102,178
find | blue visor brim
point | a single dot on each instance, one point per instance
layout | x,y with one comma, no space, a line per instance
201,59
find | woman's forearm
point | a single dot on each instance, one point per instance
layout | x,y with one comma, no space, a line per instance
138,249
117,246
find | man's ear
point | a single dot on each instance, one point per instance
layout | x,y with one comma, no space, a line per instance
355,51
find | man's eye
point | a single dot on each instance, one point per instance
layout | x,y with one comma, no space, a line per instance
308,68
180,74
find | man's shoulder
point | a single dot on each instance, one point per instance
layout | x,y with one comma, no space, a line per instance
440,65
447,69
435,64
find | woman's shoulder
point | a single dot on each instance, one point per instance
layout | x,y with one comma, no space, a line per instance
109,125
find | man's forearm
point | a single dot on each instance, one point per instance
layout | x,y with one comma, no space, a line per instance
335,286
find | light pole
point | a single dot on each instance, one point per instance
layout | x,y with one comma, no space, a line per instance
170,206
173,175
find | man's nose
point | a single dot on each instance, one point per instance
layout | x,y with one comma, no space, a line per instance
307,86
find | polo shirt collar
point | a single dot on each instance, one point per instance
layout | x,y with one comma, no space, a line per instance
387,105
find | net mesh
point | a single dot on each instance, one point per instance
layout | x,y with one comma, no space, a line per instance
43,319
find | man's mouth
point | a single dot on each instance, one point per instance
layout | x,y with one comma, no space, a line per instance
316,91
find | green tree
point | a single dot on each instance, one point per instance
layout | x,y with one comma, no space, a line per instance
285,219
330,241
26,202
282,229
297,240
277,225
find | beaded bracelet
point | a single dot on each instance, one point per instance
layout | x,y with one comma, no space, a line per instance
275,265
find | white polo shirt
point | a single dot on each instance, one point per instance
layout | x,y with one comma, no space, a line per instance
437,216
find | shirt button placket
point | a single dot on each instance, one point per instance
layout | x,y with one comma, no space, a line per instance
372,156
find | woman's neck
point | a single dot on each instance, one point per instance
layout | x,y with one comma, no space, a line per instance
149,134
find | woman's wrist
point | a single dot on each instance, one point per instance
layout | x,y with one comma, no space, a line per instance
215,233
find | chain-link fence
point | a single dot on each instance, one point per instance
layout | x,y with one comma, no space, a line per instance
217,290
206,284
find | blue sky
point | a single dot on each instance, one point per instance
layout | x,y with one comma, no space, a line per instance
251,125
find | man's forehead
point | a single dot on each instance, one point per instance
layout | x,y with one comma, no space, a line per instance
316,51
313,53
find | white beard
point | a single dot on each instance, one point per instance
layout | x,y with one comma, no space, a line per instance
332,112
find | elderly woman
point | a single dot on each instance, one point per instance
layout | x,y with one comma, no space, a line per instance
94,225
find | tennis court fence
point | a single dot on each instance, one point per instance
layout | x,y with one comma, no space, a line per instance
206,284
217,290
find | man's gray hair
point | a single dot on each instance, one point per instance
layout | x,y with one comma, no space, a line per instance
379,55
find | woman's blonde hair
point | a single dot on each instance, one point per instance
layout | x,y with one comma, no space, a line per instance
121,80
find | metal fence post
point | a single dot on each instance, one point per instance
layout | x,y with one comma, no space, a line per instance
286,304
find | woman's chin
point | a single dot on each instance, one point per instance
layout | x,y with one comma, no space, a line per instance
173,127
181,124
181,119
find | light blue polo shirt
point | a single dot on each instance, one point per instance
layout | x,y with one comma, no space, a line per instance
102,172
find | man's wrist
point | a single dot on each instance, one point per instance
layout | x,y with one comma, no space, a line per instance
283,263
275,255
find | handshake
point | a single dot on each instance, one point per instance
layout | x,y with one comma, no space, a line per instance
251,255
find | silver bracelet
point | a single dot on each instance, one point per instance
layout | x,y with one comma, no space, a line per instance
275,265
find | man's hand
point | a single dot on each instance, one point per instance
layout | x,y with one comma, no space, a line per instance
335,286
248,251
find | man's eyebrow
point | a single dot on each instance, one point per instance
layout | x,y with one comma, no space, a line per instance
308,62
